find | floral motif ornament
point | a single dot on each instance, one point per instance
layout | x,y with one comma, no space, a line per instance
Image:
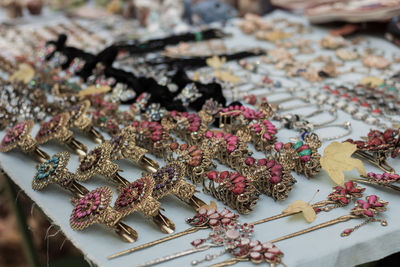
97,161
52,171
56,128
78,116
18,136
170,180
137,197
369,208
93,208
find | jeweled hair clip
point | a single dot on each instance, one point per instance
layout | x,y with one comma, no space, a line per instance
385,179
78,119
98,162
232,188
124,147
54,170
57,129
197,159
378,146
250,125
206,217
303,156
19,136
170,180
153,137
270,176
190,127
94,207
137,197
229,149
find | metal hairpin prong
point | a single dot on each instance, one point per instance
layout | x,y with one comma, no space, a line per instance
77,146
39,155
376,159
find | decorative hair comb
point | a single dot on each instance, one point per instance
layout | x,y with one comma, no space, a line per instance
57,129
232,188
378,146
54,170
124,147
81,121
94,207
18,136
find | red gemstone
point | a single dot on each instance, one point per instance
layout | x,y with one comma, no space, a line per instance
250,161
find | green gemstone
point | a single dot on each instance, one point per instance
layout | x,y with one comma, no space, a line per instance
305,152
298,144
102,119
198,36
392,89
382,85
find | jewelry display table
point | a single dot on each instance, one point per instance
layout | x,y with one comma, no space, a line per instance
320,248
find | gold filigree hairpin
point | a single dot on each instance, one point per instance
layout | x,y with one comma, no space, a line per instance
57,129
78,119
94,207
19,136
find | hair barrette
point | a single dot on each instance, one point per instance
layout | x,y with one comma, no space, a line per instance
54,170
190,127
249,124
78,119
137,196
363,209
229,149
340,197
98,161
303,156
153,137
269,175
232,188
124,147
57,129
18,136
170,180
94,207
197,159
386,180
378,146
206,217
